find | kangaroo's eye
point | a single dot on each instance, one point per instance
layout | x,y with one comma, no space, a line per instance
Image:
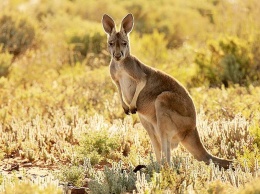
111,44
124,43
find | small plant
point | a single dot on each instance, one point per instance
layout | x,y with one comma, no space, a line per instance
30,154
99,146
113,180
72,175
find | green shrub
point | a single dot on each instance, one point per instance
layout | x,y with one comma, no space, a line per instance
249,159
73,175
113,180
88,43
99,146
86,40
227,60
17,33
5,62
89,46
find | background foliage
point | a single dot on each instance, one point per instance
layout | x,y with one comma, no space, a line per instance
58,104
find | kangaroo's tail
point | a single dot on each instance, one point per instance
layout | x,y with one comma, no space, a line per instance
194,145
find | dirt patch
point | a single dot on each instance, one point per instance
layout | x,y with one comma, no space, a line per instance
36,172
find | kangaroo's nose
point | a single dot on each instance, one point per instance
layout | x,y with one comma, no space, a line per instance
117,56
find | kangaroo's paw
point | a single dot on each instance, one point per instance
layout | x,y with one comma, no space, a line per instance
126,110
133,110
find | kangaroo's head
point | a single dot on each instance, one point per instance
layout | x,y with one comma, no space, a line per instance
118,42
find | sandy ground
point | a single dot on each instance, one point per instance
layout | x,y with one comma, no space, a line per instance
37,172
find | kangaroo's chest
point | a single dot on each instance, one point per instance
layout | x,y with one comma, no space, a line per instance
127,85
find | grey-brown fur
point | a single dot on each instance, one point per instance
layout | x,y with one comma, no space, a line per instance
164,106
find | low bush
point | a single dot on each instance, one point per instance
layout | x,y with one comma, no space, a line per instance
73,175
17,33
89,44
99,146
226,61
113,180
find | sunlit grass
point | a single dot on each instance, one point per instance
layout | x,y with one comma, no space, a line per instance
60,110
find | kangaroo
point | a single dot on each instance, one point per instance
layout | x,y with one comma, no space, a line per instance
164,106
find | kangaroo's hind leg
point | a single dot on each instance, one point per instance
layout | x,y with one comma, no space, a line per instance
170,124
166,130
153,136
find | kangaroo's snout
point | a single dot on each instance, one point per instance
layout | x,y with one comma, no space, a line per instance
118,56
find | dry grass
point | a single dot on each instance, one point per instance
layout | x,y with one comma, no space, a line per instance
59,141
60,111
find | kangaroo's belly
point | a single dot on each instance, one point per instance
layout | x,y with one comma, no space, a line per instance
128,87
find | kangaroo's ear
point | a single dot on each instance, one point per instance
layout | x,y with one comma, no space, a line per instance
108,24
127,23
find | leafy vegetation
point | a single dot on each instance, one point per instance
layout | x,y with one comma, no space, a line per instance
229,61
59,107
17,34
